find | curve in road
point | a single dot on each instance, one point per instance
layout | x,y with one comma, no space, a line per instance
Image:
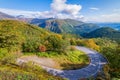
96,63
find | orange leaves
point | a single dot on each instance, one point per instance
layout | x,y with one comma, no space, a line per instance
42,48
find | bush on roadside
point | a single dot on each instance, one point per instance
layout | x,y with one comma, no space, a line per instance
42,48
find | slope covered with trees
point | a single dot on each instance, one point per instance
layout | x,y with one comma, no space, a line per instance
15,35
111,50
104,32
64,25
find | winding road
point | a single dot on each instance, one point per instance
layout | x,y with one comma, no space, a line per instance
96,63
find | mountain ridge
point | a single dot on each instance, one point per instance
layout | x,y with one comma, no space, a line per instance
66,26
104,32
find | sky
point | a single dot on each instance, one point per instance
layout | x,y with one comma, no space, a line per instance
84,10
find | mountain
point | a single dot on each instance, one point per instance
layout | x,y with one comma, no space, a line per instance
56,25
6,16
104,32
65,25
112,25
86,28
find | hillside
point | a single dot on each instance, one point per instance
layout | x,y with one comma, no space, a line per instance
104,32
28,38
64,25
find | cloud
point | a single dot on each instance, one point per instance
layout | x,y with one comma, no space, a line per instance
114,17
62,10
60,6
28,14
94,8
59,9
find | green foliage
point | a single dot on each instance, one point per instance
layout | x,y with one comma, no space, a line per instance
114,59
10,39
73,60
49,54
25,72
106,32
7,58
19,36
105,42
72,41
111,50
31,45
56,43
3,52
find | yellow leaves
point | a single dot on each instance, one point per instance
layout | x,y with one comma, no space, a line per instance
58,36
91,43
88,43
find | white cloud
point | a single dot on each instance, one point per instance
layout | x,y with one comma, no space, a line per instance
59,9
62,10
28,14
94,8
115,17
60,6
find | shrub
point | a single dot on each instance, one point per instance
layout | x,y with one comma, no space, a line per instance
72,48
56,43
3,52
42,48
72,41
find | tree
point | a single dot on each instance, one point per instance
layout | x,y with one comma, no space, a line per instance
42,48
56,43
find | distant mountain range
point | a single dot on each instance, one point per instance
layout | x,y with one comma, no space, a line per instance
65,25
112,25
57,25
104,32
87,30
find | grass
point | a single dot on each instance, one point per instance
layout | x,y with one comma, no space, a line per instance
72,60
25,72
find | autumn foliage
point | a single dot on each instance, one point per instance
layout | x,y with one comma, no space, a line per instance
42,48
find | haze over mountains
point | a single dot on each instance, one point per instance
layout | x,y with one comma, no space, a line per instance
6,16
112,25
